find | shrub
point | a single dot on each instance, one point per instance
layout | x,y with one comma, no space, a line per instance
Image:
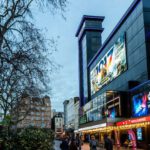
27,139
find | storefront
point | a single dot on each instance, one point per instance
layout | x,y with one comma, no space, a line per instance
100,115
98,131
135,130
109,105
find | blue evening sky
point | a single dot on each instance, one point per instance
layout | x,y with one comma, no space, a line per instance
65,81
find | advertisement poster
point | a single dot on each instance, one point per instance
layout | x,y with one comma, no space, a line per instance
141,104
139,133
110,66
112,113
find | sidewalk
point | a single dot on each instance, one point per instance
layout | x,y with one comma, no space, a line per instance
86,147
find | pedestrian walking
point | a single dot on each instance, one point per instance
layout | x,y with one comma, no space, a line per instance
73,145
93,143
108,143
78,142
64,144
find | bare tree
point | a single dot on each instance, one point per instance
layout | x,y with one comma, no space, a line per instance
23,51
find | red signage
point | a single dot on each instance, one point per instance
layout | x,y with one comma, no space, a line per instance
132,121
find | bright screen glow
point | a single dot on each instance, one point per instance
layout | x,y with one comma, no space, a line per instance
141,104
112,64
112,113
139,133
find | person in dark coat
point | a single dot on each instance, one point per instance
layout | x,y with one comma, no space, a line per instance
108,143
78,142
73,145
93,143
64,144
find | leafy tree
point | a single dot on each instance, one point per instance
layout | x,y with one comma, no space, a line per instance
23,51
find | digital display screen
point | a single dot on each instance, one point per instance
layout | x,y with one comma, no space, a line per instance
141,104
112,64
113,112
139,133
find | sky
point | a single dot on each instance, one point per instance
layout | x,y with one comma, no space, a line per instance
65,82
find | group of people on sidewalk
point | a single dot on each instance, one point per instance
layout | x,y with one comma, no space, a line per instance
70,143
76,144
108,145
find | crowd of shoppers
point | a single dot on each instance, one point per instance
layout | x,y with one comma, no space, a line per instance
76,143
70,143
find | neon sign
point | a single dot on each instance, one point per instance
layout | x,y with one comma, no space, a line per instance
133,121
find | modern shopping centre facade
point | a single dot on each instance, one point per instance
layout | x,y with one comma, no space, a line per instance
115,77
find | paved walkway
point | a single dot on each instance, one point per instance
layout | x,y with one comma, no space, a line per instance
57,145
86,147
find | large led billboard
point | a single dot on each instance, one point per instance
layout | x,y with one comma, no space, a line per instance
112,64
141,104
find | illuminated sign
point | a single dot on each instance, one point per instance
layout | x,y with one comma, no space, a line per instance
110,66
93,127
141,104
139,133
133,121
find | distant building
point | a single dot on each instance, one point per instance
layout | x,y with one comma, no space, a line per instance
76,124
65,113
34,112
53,113
58,124
71,111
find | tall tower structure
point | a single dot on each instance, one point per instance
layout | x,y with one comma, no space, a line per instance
89,41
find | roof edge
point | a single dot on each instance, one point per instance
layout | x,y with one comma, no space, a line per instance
126,14
88,17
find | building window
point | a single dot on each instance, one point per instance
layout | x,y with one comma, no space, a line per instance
84,71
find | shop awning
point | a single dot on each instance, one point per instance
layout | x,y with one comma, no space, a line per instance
93,127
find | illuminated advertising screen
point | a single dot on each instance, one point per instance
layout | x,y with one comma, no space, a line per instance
110,66
113,112
139,134
113,108
141,104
